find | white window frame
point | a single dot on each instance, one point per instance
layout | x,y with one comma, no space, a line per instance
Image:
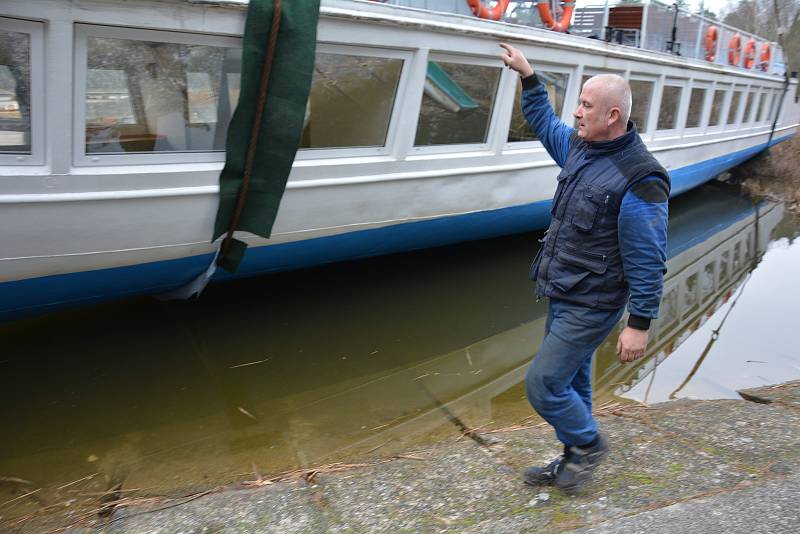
495,119
393,130
511,146
704,110
680,119
633,76
35,32
723,110
80,65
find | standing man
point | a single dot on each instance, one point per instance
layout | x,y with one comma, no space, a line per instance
605,247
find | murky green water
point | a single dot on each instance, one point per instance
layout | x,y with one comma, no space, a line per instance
366,359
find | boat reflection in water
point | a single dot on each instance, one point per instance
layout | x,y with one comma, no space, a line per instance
347,362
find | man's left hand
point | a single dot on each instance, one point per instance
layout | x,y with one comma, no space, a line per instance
631,344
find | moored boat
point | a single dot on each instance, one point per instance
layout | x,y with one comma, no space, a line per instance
413,137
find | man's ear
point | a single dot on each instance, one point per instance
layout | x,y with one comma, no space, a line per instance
614,115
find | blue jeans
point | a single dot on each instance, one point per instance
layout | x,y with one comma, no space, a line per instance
559,380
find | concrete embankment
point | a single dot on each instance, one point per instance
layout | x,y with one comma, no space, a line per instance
683,466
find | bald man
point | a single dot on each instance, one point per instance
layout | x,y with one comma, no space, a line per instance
605,248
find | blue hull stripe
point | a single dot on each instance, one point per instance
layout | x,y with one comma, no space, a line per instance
36,295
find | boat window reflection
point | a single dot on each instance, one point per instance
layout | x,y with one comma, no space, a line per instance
556,85
724,262
707,282
457,104
642,92
158,97
734,109
668,112
696,101
351,101
690,295
716,107
15,93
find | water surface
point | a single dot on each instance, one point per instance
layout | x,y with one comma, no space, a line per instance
365,359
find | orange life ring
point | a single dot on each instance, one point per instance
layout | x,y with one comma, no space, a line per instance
750,53
735,49
547,17
766,55
480,10
712,35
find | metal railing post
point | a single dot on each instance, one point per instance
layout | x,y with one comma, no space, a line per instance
699,32
643,34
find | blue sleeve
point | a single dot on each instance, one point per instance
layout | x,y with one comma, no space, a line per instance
643,219
554,134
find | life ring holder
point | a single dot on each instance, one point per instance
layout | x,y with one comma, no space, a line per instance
735,49
481,11
712,36
750,54
548,19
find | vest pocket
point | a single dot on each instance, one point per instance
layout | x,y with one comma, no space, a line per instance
565,283
593,265
587,207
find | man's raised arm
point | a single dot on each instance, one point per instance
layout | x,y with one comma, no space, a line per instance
554,134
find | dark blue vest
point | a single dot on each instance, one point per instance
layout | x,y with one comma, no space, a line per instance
580,260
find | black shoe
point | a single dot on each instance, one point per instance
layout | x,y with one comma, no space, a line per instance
576,469
543,476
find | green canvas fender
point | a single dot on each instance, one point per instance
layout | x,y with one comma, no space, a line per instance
281,125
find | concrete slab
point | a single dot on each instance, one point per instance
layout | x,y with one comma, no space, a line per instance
457,485
751,434
285,508
646,468
782,395
770,508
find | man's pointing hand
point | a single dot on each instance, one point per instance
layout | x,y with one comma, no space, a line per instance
514,59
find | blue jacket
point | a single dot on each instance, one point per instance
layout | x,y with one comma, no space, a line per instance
607,239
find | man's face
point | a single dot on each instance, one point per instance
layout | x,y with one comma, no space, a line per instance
592,114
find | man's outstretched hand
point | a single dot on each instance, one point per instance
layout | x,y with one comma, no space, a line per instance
514,59
631,344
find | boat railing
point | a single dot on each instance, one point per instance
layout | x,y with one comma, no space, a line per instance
647,24
662,27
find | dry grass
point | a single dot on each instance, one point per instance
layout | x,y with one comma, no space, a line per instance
775,175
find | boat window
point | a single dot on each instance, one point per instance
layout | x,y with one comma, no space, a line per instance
734,108
351,101
761,107
696,101
555,84
748,106
772,104
716,107
15,93
457,103
146,96
668,112
642,94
